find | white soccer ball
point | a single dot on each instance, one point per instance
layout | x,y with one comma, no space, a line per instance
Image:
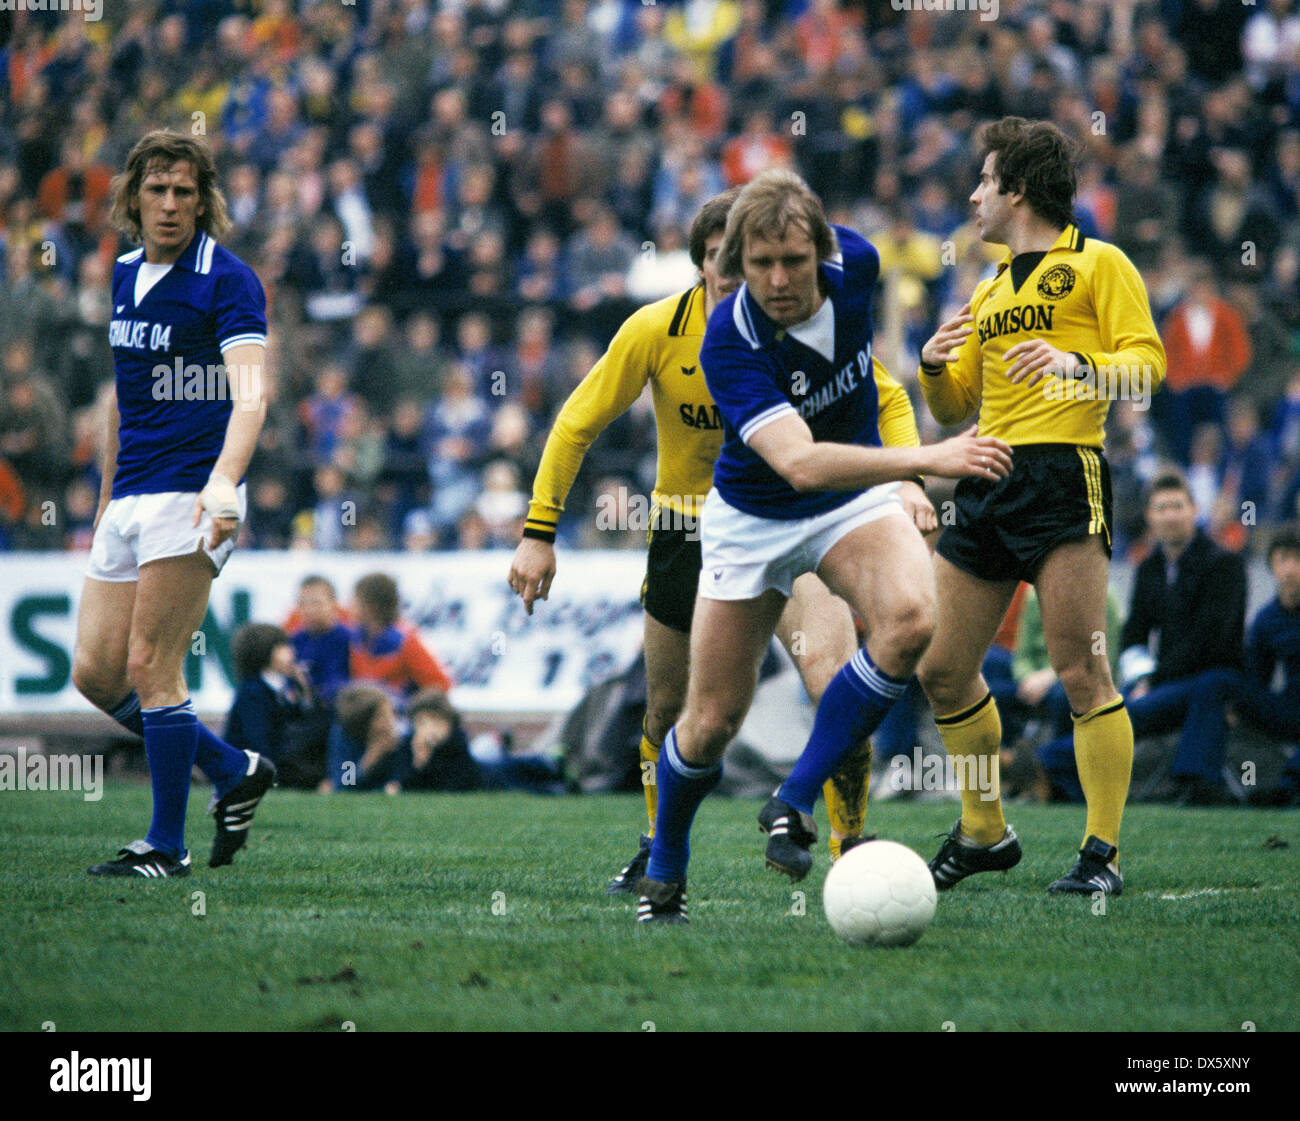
879,894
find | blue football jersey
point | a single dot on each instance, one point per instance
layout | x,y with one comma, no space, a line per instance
821,369
172,391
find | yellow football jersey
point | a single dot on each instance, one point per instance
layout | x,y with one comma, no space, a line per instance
1085,297
659,344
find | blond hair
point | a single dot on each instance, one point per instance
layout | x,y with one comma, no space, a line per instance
768,205
161,149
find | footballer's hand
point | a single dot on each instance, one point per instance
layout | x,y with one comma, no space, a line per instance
984,457
221,501
918,507
532,570
941,348
99,514
1035,360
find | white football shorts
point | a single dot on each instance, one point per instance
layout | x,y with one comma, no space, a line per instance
141,528
743,555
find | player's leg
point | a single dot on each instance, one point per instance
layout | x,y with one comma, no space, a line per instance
99,658
971,610
171,597
881,569
728,641
170,603
668,598
667,661
99,673
1071,587
817,629
966,715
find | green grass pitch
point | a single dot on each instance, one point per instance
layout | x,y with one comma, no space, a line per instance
486,912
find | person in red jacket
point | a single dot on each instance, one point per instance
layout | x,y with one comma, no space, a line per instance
1208,349
386,650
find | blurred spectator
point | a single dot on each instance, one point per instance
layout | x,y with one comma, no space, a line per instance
33,429
326,274
759,146
1208,350
335,509
1247,465
386,650
371,360
542,277
403,481
270,517
1272,645
599,259
457,428
502,505
364,742
324,413
321,639
439,755
272,704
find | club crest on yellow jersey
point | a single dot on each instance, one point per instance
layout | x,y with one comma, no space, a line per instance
1056,283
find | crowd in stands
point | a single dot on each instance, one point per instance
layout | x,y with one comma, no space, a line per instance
453,203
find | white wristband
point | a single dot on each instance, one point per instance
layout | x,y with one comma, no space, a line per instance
220,498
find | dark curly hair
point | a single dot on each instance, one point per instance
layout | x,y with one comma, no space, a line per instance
1036,158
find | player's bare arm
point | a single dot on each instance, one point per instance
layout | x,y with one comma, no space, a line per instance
807,464
110,459
245,374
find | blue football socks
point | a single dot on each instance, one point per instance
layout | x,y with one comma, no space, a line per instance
852,707
682,787
170,741
224,766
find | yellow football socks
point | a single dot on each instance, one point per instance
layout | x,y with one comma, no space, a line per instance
972,738
846,795
649,754
1103,752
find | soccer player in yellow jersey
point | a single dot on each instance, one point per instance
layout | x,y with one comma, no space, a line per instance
1040,351
660,344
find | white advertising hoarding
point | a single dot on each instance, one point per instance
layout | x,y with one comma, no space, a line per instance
502,659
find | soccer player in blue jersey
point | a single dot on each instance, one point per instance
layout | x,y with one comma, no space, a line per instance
188,334
802,485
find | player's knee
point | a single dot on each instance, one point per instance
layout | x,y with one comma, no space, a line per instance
94,684
660,715
712,730
945,684
145,669
817,668
1087,683
909,630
